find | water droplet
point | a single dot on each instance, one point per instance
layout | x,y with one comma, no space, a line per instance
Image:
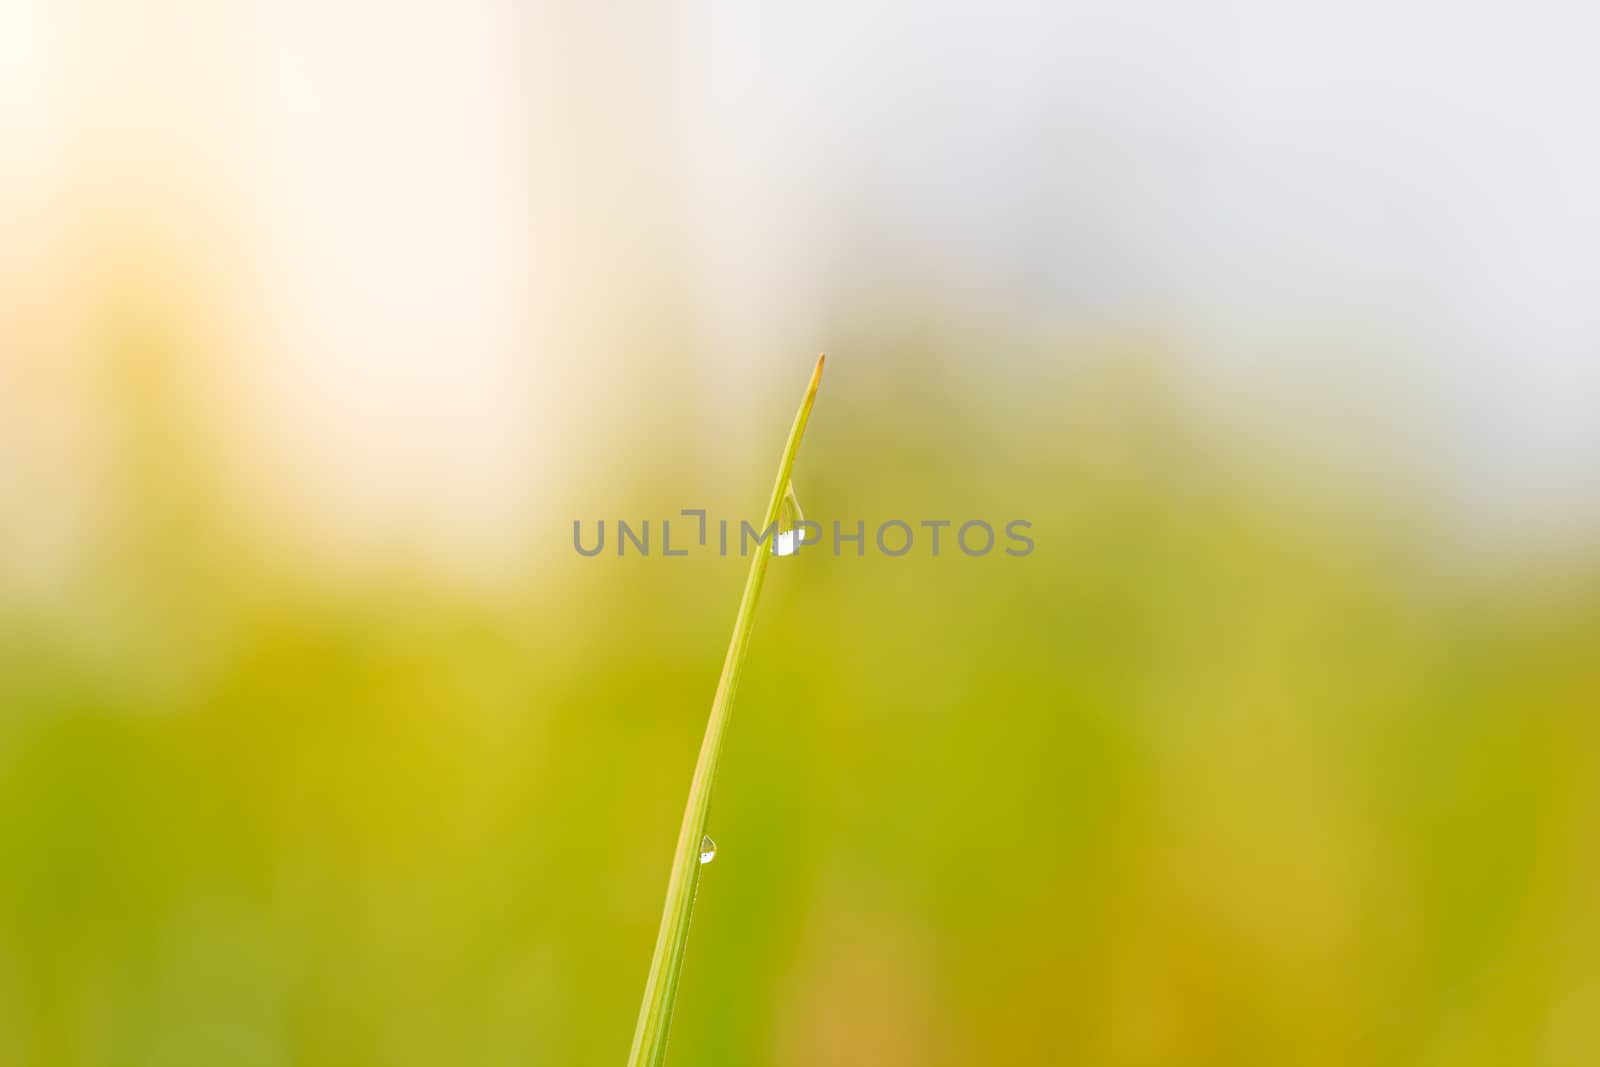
708,849
789,541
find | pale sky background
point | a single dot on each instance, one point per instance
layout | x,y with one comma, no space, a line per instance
369,215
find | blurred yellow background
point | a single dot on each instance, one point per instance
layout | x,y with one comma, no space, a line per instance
320,324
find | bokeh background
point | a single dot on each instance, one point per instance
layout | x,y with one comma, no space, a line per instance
320,323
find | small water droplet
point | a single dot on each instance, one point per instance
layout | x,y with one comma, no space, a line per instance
708,849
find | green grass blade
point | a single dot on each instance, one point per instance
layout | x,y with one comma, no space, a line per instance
661,986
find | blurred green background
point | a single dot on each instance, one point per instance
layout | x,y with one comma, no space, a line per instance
321,323
1233,769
